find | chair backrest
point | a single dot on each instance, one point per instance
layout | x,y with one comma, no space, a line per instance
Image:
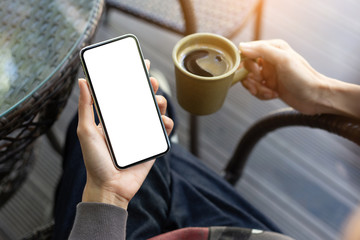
303,179
343,126
224,17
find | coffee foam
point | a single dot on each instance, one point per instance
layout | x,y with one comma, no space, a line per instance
206,61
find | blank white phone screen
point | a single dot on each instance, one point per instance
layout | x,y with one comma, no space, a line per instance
125,101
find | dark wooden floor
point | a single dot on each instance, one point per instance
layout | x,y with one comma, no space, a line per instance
307,181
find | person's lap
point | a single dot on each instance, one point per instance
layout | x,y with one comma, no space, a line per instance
179,192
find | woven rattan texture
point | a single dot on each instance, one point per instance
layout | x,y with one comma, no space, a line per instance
222,17
167,13
40,41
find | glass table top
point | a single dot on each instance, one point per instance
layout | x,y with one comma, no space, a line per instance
36,38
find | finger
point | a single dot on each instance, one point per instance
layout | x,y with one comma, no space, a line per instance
269,50
86,112
249,86
169,124
162,103
258,90
254,69
266,93
251,66
269,75
155,84
147,63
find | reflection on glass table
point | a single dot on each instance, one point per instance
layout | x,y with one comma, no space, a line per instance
39,45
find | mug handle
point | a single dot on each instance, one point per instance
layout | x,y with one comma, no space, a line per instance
240,74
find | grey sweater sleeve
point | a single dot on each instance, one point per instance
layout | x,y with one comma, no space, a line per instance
99,221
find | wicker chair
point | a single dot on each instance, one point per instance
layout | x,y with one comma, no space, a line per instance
39,59
224,17
308,199
346,127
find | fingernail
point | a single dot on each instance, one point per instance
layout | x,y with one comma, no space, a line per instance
253,91
267,95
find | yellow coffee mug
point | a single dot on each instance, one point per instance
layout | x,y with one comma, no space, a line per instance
201,95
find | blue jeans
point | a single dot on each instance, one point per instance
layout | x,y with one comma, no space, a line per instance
180,191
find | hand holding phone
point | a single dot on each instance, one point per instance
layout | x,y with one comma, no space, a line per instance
124,100
104,182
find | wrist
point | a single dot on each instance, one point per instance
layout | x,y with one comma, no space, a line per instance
338,97
93,193
324,96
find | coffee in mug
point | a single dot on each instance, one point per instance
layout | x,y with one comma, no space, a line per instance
206,62
206,66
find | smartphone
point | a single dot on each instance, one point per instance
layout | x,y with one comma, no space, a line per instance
124,100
